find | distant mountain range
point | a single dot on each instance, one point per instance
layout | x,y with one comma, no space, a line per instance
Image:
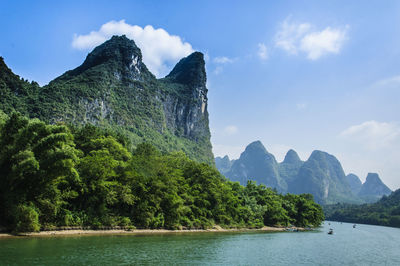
321,175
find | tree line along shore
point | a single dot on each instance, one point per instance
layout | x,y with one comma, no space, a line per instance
64,175
119,230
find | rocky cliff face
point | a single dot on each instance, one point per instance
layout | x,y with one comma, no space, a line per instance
113,88
189,110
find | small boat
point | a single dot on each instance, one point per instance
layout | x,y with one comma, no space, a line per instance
330,232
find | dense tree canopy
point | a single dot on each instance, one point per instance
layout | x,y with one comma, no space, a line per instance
384,212
55,175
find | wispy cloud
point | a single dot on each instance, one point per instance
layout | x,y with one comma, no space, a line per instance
220,61
230,130
388,82
262,51
159,48
373,134
223,60
302,37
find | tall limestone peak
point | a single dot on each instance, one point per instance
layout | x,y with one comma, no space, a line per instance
257,164
256,148
291,157
122,57
290,166
114,89
374,187
189,97
354,182
190,70
322,175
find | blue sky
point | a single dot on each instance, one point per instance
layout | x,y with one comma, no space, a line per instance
294,74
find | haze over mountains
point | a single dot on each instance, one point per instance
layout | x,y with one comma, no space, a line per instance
321,175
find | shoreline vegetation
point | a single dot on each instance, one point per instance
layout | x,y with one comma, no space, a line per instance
385,212
55,176
124,231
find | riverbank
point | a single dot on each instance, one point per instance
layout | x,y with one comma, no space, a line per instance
146,231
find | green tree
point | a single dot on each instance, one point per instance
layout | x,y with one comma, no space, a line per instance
37,165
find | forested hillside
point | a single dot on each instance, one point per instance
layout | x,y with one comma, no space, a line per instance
113,89
384,212
60,175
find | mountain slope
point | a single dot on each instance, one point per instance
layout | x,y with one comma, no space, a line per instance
354,182
16,93
223,164
114,89
322,175
373,188
289,168
255,163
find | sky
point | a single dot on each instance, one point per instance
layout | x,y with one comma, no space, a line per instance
300,75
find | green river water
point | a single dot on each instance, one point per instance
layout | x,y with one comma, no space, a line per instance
363,245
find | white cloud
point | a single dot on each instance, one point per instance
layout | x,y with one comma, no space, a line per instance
223,60
302,37
316,44
160,49
262,51
373,135
287,38
230,130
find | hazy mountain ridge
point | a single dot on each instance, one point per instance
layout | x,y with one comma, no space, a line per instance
114,89
355,183
257,164
321,175
373,188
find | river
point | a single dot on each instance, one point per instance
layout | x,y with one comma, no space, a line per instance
363,245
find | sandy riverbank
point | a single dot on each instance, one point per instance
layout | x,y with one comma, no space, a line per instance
142,231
